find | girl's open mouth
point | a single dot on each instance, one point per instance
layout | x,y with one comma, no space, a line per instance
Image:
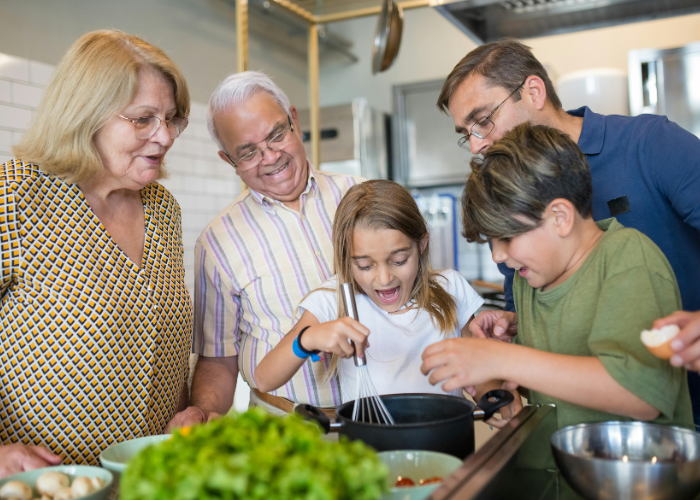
388,296
523,271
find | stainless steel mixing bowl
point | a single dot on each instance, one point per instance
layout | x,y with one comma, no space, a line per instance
629,460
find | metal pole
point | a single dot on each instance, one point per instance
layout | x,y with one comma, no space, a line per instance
292,8
242,35
314,106
371,11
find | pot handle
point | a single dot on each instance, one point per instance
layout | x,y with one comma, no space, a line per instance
310,412
491,402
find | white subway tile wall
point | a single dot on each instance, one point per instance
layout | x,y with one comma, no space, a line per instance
202,184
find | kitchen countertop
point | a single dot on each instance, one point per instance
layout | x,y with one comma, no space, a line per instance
517,463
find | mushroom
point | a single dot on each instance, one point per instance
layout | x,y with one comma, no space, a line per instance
97,483
17,490
82,486
63,494
50,483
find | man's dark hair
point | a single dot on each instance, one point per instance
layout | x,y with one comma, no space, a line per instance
508,190
506,63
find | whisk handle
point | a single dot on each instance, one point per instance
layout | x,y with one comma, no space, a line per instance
348,294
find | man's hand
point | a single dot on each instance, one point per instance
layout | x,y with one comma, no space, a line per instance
462,362
190,416
686,345
498,325
18,457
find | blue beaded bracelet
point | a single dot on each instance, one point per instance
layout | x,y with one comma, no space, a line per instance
302,353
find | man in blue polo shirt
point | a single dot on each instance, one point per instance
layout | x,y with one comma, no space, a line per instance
645,169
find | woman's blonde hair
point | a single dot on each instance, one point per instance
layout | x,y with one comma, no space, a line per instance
381,204
95,80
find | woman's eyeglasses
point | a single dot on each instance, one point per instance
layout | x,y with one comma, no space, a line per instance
146,126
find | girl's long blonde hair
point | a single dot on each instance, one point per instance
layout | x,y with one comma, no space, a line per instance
381,204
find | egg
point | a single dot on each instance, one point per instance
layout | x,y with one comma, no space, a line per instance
17,490
658,341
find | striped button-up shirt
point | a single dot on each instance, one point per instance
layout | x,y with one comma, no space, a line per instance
254,264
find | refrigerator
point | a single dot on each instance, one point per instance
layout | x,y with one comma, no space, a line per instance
427,160
667,82
355,139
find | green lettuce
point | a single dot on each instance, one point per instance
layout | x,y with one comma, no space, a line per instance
254,455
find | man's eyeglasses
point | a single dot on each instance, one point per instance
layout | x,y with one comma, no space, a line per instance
148,125
484,127
253,157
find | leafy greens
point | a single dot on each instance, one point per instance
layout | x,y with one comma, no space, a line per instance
254,455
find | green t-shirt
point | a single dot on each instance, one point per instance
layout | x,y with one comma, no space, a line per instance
624,284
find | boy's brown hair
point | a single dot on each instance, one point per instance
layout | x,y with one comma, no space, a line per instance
519,175
506,63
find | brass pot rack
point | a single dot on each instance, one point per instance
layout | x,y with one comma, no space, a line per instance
313,62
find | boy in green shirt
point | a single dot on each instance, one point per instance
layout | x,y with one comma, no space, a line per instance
583,292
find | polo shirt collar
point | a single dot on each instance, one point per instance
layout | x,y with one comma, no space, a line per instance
592,132
268,204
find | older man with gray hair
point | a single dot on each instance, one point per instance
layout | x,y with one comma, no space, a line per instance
259,257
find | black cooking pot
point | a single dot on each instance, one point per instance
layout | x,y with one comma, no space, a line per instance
431,422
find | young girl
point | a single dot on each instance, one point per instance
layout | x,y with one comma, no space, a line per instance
380,243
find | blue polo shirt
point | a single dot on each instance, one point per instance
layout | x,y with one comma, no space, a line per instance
646,174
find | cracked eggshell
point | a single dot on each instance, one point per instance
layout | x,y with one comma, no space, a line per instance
658,341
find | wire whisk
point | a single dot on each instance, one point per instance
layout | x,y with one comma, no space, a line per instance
368,407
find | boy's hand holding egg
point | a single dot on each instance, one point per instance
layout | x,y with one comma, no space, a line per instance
335,337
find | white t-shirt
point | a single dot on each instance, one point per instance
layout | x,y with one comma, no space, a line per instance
397,341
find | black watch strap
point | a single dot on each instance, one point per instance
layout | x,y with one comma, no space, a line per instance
299,342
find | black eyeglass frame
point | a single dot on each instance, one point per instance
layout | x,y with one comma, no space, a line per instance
465,139
267,146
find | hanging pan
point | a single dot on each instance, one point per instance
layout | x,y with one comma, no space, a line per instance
387,38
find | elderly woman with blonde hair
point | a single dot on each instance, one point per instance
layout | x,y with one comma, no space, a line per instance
95,318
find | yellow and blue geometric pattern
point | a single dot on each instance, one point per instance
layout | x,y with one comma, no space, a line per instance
93,349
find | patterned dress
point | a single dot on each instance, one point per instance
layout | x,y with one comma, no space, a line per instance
94,349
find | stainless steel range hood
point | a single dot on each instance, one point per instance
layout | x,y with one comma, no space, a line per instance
489,20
